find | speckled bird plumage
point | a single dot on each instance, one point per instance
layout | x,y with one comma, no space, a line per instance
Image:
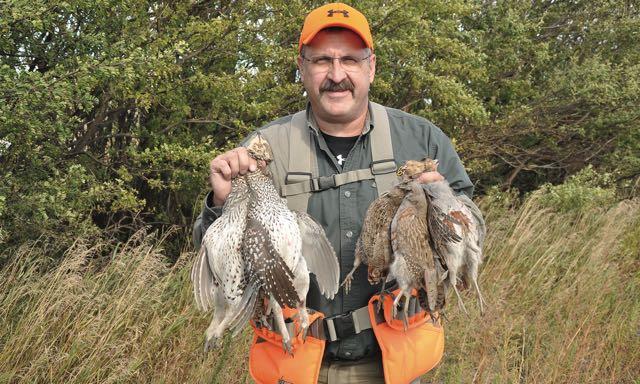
282,247
218,274
413,265
455,237
275,248
373,247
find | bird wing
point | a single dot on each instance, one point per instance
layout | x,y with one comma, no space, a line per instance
442,225
246,309
319,255
202,280
382,254
266,267
409,235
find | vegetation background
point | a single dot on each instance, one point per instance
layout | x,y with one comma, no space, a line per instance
110,111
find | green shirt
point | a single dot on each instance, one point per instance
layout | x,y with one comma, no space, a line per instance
341,210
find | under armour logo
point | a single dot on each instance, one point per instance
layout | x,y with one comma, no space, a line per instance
340,159
345,13
283,381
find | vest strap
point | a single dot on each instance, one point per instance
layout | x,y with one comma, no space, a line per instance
383,167
302,164
300,181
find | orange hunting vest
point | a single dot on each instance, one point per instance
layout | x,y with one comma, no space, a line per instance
406,355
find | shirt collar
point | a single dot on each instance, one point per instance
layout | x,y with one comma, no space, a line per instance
311,121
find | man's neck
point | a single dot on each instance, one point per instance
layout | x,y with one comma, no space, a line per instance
342,129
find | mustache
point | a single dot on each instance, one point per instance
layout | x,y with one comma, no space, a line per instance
331,86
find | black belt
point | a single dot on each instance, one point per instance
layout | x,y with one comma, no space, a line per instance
347,324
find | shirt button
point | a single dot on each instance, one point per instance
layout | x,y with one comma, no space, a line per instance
347,194
349,234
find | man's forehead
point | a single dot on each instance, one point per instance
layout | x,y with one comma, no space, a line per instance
337,38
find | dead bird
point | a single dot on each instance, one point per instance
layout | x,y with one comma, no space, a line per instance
282,247
413,266
218,274
455,236
373,247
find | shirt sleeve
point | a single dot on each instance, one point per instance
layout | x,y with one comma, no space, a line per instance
209,214
449,164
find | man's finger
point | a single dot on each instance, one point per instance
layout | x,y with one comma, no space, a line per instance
243,161
233,163
430,177
221,167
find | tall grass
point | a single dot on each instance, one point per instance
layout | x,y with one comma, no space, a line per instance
563,290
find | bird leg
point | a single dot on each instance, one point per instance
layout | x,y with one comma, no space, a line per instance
382,295
460,303
282,327
264,313
480,298
405,308
214,332
304,318
347,280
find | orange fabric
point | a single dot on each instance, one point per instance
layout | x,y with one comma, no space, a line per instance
406,355
269,363
335,15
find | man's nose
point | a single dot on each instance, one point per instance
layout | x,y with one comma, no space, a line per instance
336,72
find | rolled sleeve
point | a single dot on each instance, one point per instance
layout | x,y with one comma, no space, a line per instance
449,163
209,214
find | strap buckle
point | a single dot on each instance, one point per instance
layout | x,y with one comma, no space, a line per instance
323,182
347,324
381,167
297,177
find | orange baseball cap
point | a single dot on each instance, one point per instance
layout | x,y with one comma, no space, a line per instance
335,15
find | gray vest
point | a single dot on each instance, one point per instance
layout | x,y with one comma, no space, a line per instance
296,169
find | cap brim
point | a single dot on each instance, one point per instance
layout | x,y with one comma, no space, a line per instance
336,24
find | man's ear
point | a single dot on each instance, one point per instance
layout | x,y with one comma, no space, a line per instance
372,67
299,63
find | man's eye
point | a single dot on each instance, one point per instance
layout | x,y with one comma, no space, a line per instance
321,60
348,60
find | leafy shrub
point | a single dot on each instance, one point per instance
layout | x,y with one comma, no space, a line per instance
588,188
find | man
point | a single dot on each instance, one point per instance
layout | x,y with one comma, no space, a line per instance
337,66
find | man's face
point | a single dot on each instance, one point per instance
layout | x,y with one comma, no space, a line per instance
323,86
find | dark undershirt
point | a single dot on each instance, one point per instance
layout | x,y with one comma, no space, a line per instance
340,146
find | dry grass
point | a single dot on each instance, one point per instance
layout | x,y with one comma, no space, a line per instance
563,291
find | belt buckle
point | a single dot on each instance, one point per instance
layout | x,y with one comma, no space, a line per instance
340,326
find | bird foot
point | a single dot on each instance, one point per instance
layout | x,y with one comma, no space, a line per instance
347,283
212,343
379,304
265,322
287,346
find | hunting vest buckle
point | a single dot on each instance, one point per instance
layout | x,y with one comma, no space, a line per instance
381,167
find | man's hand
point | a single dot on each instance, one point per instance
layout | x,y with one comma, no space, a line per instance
224,168
430,177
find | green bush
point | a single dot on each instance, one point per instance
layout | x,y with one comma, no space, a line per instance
586,189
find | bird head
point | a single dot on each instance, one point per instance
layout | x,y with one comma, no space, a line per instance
411,170
430,165
259,149
377,275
